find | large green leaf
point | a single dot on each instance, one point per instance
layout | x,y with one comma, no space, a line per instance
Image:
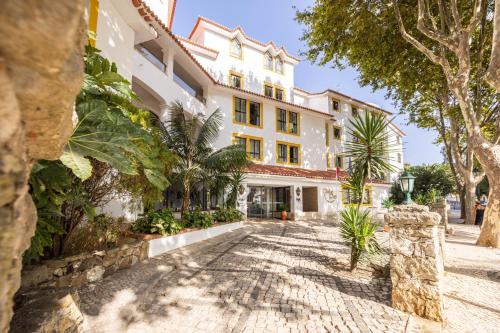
80,165
156,178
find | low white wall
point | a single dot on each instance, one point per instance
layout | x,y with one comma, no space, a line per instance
161,245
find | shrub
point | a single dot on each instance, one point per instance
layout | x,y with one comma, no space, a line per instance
227,215
198,219
388,203
162,222
428,198
358,229
103,232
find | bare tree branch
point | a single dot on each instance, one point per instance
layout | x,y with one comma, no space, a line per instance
421,47
493,73
424,15
456,15
445,17
476,16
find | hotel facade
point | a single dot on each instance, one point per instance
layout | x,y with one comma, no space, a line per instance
295,138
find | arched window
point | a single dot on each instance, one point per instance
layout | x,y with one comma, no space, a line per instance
236,49
268,61
278,65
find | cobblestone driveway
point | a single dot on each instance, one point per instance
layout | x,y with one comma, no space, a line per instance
275,277
266,277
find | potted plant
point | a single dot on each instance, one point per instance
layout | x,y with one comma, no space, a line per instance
283,209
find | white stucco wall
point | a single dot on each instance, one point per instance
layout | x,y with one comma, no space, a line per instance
115,38
311,139
251,65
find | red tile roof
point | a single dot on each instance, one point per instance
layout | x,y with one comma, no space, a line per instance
296,172
277,170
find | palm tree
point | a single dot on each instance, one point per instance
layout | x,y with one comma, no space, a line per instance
191,138
369,151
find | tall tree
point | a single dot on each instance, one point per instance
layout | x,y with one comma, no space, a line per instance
454,47
191,138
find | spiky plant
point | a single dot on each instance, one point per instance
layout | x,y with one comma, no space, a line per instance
358,229
369,150
191,138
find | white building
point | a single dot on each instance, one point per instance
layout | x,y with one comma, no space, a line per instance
294,137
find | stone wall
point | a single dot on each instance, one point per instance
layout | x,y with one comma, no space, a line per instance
417,262
441,207
41,71
78,270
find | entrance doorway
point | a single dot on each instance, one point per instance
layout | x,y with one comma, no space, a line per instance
267,202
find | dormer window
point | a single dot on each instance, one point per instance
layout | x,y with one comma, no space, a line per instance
354,111
235,80
278,65
236,48
335,105
268,61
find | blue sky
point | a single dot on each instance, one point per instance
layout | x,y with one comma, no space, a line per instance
267,20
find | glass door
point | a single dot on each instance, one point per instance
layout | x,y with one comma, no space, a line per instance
259,202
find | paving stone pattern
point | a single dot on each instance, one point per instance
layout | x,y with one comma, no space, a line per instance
285,277
267,277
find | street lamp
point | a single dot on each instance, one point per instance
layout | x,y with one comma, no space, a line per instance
406,181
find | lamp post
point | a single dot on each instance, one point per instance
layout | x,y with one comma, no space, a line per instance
406,181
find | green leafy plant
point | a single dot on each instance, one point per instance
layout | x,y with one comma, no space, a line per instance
227,215
358,229
160,222
368,149
191,139
388,203
428,198
282,208
198,219
114,147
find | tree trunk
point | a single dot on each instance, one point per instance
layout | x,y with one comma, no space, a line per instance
186,197
470,201
490,230
462,203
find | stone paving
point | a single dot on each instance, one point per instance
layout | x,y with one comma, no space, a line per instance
267,277
278,277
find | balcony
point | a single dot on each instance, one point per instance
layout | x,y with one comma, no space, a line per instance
152,72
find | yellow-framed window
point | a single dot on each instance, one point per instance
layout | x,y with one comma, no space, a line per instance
335,105
254,146
348,197
236,48
268,61
247,112
268,90
287,121
339,162
287,153
354,111
327,134
235,79
278,65
337,133
279,93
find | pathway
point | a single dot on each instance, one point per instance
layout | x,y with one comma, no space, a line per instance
275,277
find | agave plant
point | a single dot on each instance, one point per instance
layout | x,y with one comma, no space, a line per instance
191,138
358,229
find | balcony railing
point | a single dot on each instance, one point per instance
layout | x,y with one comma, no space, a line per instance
158,63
